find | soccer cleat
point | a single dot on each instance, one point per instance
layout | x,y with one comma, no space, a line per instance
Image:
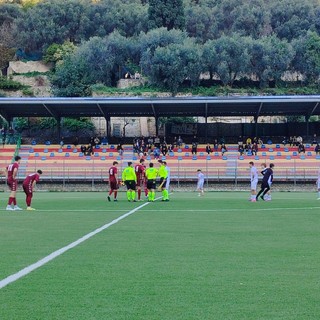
17,208
29,208
115,200
108,197
262,198
9,208
318,198
167,200
134,200
253,200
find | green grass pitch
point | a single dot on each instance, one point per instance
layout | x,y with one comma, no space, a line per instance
213,257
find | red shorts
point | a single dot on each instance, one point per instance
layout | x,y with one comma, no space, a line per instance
27,189
13,184
113,185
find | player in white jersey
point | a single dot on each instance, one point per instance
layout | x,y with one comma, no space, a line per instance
318,185
200,183
254,181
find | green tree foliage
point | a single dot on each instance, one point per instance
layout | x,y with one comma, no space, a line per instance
76,124
166,13
57,52
175,63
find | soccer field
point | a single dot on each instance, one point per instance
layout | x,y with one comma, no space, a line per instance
213,257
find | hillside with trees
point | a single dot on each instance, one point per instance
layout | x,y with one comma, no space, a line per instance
255,45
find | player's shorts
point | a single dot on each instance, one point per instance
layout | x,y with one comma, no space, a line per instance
265,185
254,184
131,184
140,183
113,185
27,189
151,184
13,184
200,184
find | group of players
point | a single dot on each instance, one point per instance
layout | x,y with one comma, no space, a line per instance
137,178
29,182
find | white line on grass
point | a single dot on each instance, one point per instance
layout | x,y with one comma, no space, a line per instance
232,210
16,276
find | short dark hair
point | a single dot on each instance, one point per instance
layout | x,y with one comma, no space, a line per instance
164,162
271,165
17,158
141,160
251,162
115,162
151,165
129,163
39,171
198,170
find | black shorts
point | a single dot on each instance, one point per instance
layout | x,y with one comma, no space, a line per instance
131,184
265,186
163,181
151,184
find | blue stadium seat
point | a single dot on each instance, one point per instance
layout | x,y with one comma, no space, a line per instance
148,158
194,157
45,150
249,153
288,157
33,142
187,154
241,158
294,153
303,157
104,150
263,146
271,157
68,147
216,154
277,146
308,145
80,154
270,150
309,153
224,158
75,150
279,153
51,154
31,151
103,158
286,150
186,147
88,158
171,154
179,158
256,158
112,147
67,154
47,143
208,158
43,158
96,154
111,154
134,158
318,157
201,154
60,150
36,154
179,150
118,158
163,158
97,146
264,154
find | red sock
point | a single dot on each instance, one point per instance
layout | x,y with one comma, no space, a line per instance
110,192
146,192
14,201
115,194
10,201
139,194
28,200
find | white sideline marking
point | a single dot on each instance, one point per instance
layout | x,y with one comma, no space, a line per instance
14,277
227,210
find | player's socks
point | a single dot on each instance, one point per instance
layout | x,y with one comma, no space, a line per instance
28,200
153,194
14,201
110,192
129,195
10,201
139,194
115,194
146,192
133,195
166,194
163,195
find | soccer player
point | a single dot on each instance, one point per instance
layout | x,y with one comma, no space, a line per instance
140,173
264,169
11,174
318,185
151,175
130,179
200,183
254,181
163,173
28,186
113,181
266,182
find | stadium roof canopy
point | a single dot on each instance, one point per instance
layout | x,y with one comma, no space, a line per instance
160,107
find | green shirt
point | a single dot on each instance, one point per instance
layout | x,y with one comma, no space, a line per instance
163,173
151,173
129,174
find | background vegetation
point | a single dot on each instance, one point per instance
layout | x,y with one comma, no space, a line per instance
170,42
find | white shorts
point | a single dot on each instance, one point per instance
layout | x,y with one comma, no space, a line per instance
254,184
200,184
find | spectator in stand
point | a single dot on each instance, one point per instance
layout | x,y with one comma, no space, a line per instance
96,141
62,142
76,142
120,149
294,141
314,140
248,141
194,148
171,148
299,140
180,142
255,140
317,149
150,141
215,145
223,148
290,141
175,141
91,141
254,149
83,149
284,141
260,141
89,150
164,149
157,142
241,150
208,148
240,141
301,148
156,153
104,141
149,148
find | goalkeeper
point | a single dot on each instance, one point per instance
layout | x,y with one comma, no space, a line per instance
129,178
151,175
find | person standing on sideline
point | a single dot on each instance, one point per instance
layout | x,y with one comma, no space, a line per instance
200,183
130,179
163,173
140,173
151,176
254,181
11,175
266,182
28,186
318,185
264,169
113,181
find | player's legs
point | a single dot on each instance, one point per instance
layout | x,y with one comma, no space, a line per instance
265,191
318,192
260,192
253,190
12,197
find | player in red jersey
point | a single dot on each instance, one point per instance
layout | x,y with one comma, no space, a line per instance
113,181
140,173
28,186
11,174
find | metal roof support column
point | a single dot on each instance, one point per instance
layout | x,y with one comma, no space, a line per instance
307,126
256,126
108,128
157,125
59,128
